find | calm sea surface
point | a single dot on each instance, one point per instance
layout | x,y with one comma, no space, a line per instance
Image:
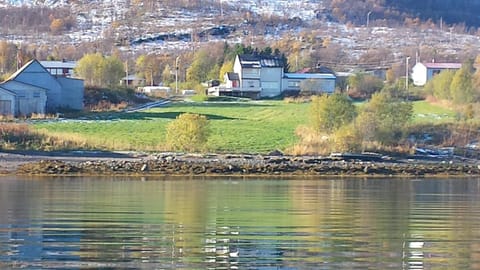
223,223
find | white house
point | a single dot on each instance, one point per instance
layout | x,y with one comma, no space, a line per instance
257,77
423,72
36,90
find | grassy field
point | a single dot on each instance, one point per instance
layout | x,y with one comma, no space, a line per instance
254,127
250,127
427,112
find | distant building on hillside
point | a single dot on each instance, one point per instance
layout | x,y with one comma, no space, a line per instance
257,76
132,80
60,68
423,72
33,89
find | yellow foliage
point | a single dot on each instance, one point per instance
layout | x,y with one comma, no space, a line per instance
188,132
56,26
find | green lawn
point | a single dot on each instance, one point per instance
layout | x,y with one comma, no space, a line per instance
427,112
251,127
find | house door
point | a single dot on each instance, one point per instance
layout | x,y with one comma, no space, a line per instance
6,107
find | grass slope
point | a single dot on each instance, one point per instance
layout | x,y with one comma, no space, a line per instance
254,127
250,127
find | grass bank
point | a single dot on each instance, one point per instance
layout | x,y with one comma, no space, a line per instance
253,127
240,127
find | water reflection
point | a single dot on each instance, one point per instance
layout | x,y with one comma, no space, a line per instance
76,223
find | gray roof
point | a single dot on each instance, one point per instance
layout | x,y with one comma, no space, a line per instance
257,61
303,76
232,76
59,64
133,77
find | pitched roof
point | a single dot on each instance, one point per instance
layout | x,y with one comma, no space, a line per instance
443,65
59,64
7,84
24,67
232,76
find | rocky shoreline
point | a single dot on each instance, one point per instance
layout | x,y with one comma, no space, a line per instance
243,165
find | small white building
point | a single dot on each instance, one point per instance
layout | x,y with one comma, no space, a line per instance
423,72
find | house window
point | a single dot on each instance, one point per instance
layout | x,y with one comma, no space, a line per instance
270,85
36,94
294,84
249,71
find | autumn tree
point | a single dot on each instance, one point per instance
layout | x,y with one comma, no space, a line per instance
148,67
57,26
226,67
7,56
383,119
167,75
439,85
204,61
364,85
97,70
330,112
188,132
461,88
113,71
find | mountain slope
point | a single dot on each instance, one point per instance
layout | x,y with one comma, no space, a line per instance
396,11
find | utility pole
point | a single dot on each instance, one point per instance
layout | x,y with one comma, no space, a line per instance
176,74
368,18
406,75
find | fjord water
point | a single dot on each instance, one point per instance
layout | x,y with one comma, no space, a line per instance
130,223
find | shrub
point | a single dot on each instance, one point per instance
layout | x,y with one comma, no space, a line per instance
188,132
310,142
347,139
12,134
330,112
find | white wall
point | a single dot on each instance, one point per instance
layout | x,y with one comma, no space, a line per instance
419,74
271,81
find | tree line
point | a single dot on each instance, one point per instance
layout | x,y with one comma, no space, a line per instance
397,12
36,19
459,87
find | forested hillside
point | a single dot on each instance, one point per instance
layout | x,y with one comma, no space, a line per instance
451,11
396,11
